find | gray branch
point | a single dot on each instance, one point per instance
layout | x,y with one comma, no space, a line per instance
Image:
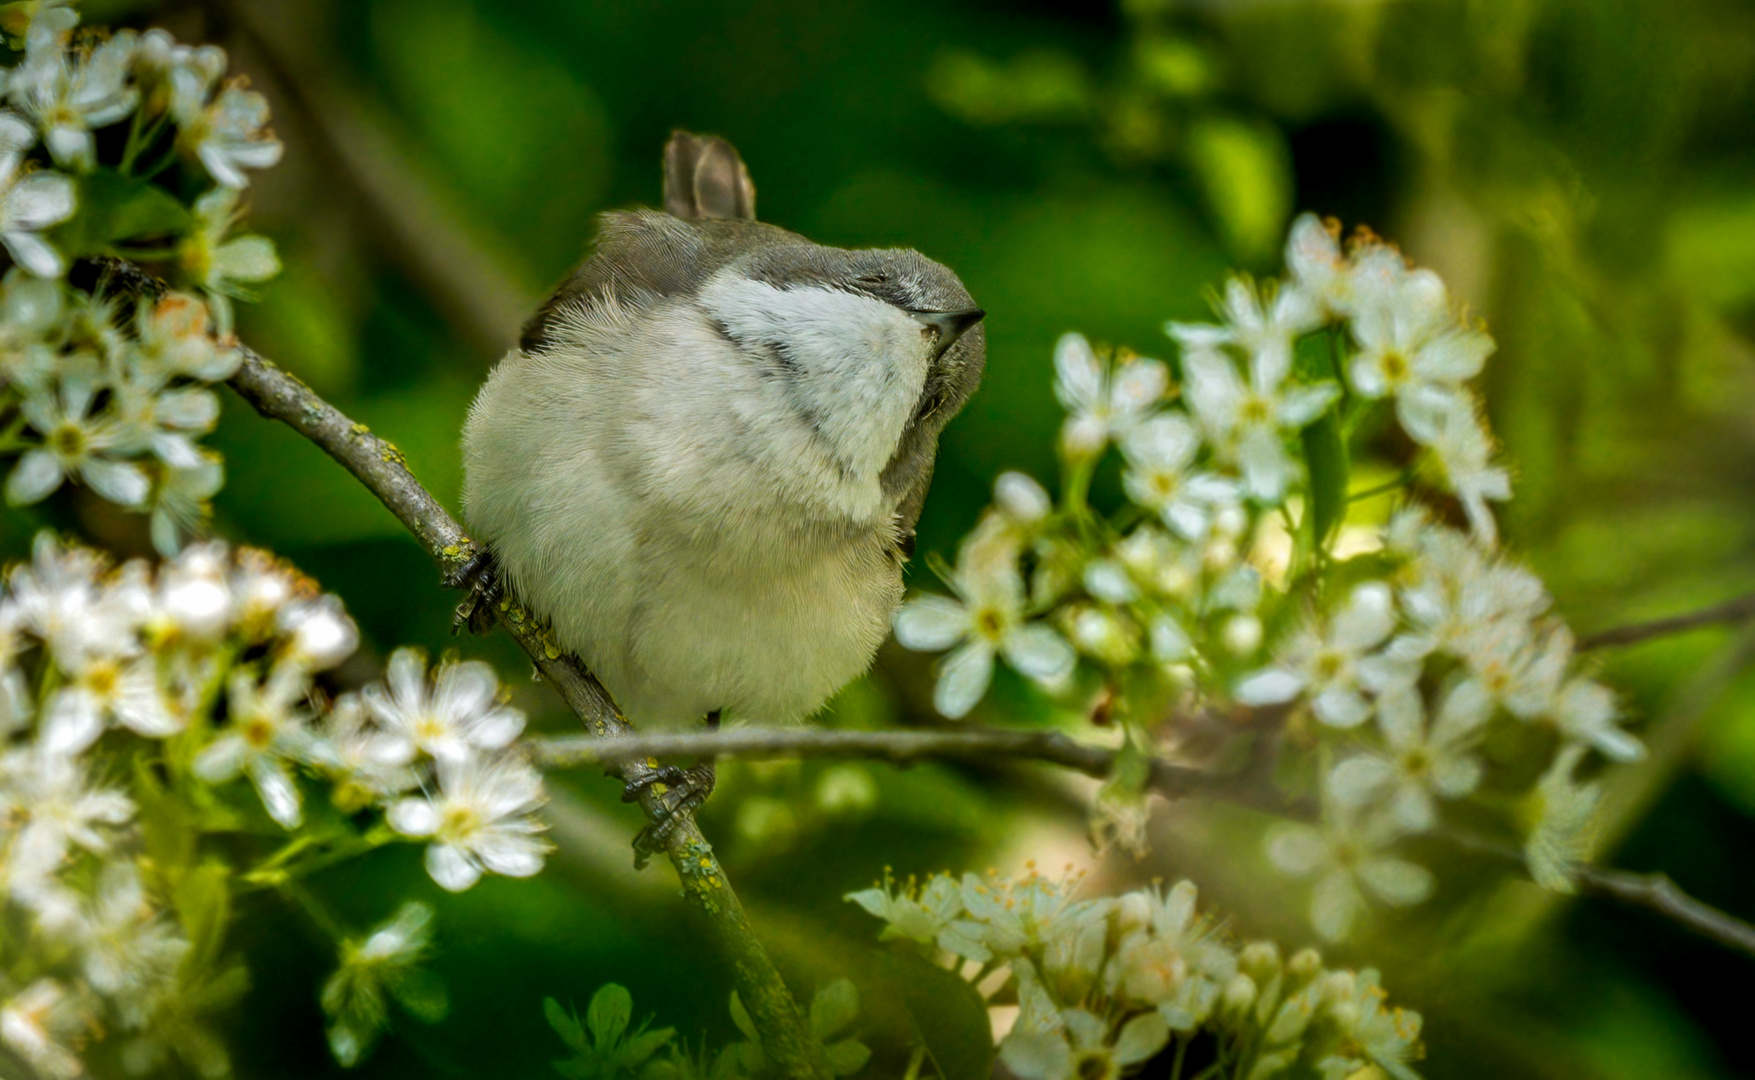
1742,609
380,467
1651,892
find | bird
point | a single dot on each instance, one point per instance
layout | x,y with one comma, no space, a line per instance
704,461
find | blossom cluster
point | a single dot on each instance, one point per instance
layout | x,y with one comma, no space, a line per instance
1113,986
103,382
144,709
1239,579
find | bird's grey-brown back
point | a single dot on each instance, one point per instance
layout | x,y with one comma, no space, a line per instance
712,444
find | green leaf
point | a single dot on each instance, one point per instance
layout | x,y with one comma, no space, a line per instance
643,1046
611,1008
846,1057
949,1016
203,903
833,1008
1325,452
1244,170
113,208
741,1017
566,1024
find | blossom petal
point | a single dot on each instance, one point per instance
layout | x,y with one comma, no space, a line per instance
1396,881
280,796
931,623
34,254
451,868
413,817
37,474
1271,686
1038,651
962,679
121,482
1078,377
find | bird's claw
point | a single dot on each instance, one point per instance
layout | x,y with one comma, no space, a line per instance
481,576
684,792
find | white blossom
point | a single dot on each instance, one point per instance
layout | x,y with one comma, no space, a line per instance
1248,421
267,733
228,134
1330,663
52,807
1021,498
1319,269
480,819
1160,454
129,947
1103,402
1410,345
225,267
1345,857
1420,762
1084,1048
30,201
1564,813
69,94
457,715
41,1025
76,443
987,620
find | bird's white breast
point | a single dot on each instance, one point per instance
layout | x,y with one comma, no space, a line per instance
706,529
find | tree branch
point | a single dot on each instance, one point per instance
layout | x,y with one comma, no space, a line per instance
972,744
1652,892
1741,609
1657,893
380,467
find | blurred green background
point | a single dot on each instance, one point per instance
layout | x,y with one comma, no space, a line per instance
1582,172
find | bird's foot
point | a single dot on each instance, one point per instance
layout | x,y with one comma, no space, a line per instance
481,576
681,791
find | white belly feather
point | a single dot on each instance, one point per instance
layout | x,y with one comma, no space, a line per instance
697,543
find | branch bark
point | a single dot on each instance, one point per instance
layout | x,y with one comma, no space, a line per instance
1652,892
381,468
1741,609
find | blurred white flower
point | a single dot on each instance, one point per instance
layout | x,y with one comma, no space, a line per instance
51,807
176,340
1419,762
76,443
1410,345
1321,272
1249,421
1175,962
1021,498
918,915
1081,1048
69,94
1160,454
319,633
123,690
362,757
1345,857
1330,663
30,201
42,1025
1371,1034
266,734
1103,403
223,267
128,946
453,718
1264,332
180,501
1465,450
481,819
228,134
987,619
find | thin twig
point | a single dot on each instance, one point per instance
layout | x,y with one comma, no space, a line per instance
1656,892
1741,609
380,467
974,744
1652,892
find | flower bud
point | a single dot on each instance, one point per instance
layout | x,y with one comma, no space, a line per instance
1021,498
1239,994
1133,911
1261,959
1305,963
1242,634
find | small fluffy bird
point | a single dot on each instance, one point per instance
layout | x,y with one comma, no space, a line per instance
704,462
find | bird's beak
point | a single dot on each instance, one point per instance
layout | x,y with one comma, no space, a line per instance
950,325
